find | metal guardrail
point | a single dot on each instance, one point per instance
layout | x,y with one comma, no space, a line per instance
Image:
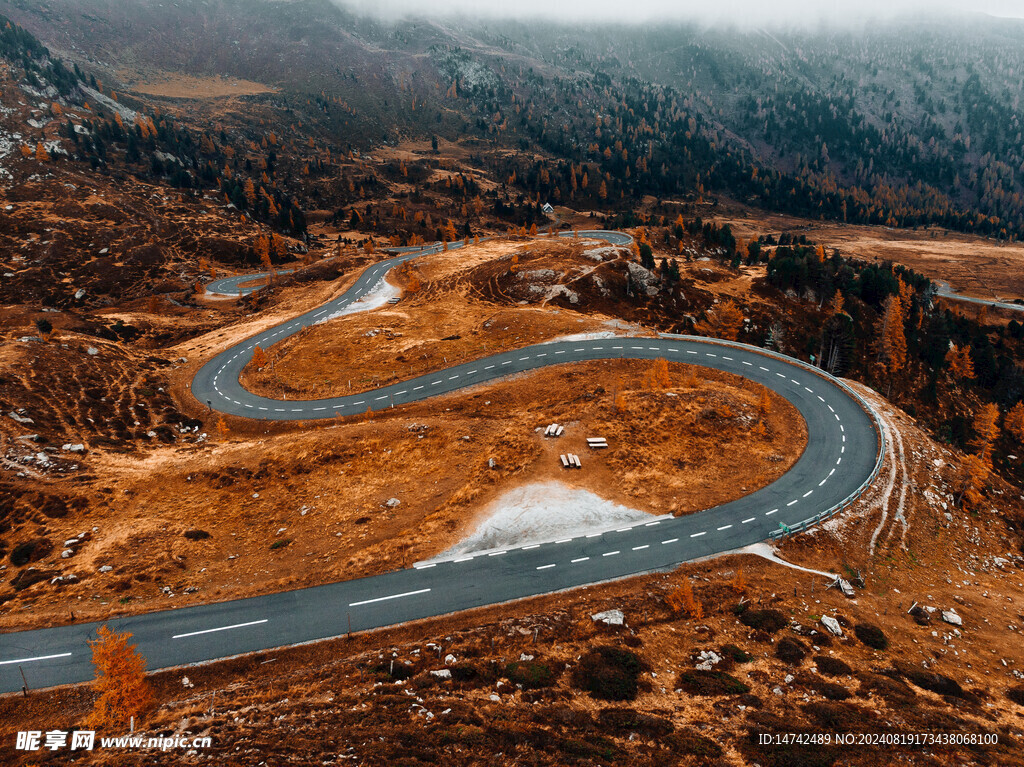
882,446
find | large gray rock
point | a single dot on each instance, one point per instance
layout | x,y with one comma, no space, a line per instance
609,617
832,625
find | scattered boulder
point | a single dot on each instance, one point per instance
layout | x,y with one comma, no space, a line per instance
392,503
951,617
442,673
832,625
609,617
708,660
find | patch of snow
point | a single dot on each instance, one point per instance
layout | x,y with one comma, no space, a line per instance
374,298
582,337
128,115
768,552
542,512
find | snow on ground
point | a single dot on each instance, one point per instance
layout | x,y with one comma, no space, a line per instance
128,115
766,551
374,298
583,337
542,512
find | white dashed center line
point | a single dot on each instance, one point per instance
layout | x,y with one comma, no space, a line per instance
391,596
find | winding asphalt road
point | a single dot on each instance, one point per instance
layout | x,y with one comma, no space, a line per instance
946,291
843,451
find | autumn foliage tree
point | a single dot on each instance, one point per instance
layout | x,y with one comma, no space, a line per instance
657,376
1014,422
723,321
973,473
682,600
263,251
961,366
121,682
986,431
259,357
892,341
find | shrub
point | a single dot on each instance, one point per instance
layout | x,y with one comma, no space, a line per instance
625,720
831,690
871,635
398,671
280,544
930,680
595,747
30,551
693,744
464,735
832,666
609,673
197,535
735,654
768,620
531,674
895,691
1016,694
698,682
790,650
841,717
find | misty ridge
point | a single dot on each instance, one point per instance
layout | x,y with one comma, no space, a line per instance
734,14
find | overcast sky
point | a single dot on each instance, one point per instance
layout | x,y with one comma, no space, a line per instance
742,12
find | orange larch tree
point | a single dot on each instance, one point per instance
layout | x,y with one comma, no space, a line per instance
723,321
986,431
121,682
1014,422
892,342
960,363
259,357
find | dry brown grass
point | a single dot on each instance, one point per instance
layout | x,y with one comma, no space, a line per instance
974,266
